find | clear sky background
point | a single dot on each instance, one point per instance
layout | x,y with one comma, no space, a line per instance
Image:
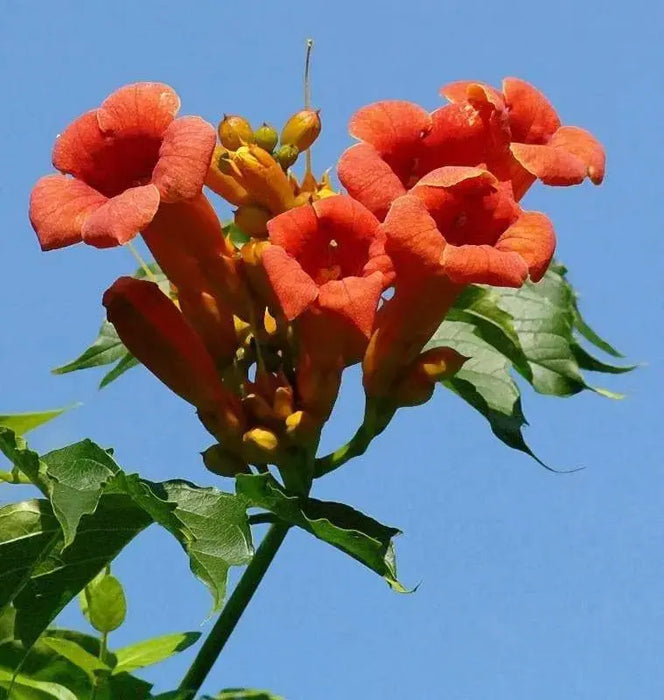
533,585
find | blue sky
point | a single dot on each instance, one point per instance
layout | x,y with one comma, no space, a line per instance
533,585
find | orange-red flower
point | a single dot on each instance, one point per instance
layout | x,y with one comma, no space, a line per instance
327,268
127,158
457,226
156,333
516,134
328,257
539,147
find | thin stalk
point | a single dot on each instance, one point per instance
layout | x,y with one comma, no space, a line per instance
233,610
307,92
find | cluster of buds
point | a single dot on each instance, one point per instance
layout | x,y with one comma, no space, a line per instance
250,169
257,337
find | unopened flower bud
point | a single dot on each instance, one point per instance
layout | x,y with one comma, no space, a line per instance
286,155
302,129
266,137
235,131
261,175
221,461
252,220
260,445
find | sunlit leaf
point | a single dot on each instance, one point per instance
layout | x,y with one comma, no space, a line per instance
21,423
106,349
243,694
153,651
105,603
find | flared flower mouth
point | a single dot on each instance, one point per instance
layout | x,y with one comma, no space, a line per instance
126,158
462,223
116,146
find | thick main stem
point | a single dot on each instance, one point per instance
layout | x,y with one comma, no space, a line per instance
233,609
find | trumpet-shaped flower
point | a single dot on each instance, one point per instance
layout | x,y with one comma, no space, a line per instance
125,158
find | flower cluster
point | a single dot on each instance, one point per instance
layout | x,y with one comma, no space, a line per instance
257,337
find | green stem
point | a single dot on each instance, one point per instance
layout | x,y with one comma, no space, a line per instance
233,609
377,416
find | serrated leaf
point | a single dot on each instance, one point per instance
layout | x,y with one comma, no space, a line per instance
77,475
478,306
545,316
106,606
361,537
21,423
485,382
21,682
153,651
126,362
60,575
106,349
212,526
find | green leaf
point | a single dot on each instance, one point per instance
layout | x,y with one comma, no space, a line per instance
77,655
106,606
588,362
56,579
153,651
545,316
77,475
212,526
485,382
126,362
21,423
106,349
243,694
7,623
585,331
28,535
478,306
23,683
345,528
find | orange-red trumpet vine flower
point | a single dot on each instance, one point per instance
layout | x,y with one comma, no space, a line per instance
125,159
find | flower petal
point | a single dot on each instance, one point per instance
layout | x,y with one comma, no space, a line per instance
483,264
184,158
467,90
139,109
59,206
412,239
294,230
369,179
394,128
532,117
459,135
76,146
585,147
533,238
293,287
552,165
120,218
460,178
345,219
355,299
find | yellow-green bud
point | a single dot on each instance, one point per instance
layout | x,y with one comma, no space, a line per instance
302,129
266,137
223,462
287,155
253,220
235,131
